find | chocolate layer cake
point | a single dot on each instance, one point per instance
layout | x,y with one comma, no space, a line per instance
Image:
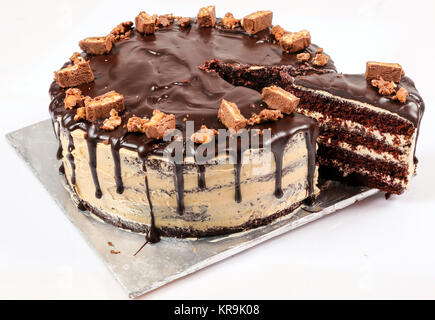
368,131
112,104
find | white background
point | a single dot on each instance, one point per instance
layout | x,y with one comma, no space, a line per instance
374,249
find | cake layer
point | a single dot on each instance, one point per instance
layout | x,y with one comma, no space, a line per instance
363,136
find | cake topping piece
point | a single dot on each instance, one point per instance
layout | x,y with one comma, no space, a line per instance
279,99
122,30
154,128
101,106
184,22
73,98
320,59
257,21
229,114
81,114
204,135
385,87
401,95
297,41
388,71
229,22
146,23
207,17
265,115
303,57
136,124
76,74
165,20
112,122
97,45
159,124
277,32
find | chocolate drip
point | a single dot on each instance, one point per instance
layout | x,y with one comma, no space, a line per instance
201,177
278,154
238,193
310,139
92,149
153,234
62,168
179,187
70,158
115,146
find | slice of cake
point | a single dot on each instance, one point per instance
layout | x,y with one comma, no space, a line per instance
368,124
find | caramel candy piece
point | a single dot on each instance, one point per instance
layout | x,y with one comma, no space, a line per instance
294,42
81,114
73,98
264,116
229,22
159,123
204,135
320,59
136,124
257,21
277,32
76,74
122,31
401,95
303,57
207,17
184,22
146,23
279,99
100,107
385,87
96,45
388,71
229,114
112,122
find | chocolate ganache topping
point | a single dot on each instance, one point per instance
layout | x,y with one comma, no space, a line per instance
162,71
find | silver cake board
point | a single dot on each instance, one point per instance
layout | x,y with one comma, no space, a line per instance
158,264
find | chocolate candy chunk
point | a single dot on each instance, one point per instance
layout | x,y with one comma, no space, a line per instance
73,98
401,95
303,57
96,45
385,87
204,135
320,59
112,122
229,114
277,32
264,116
122,30
388,71
146,23
80,114
279,99
184,22
257,21
207,17
100,107
229,22
159,124
136,124
76,74
297,41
